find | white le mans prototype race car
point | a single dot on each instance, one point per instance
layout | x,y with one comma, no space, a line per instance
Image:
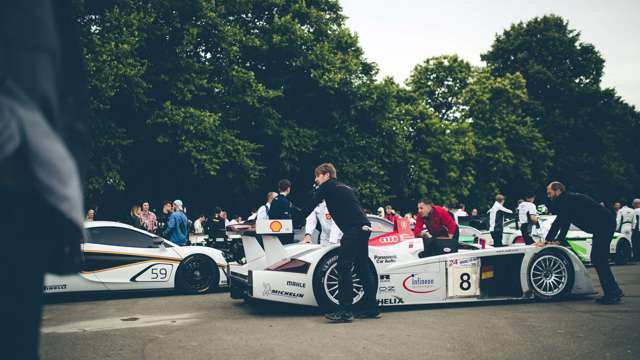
122,257
306,274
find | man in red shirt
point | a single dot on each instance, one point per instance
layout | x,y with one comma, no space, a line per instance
441,228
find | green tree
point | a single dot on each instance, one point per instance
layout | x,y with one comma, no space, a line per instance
568,106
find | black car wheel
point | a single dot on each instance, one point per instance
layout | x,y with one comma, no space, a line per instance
325,283
550,274
197,274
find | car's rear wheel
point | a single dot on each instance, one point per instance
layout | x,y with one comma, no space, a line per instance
325,283
197,274
550,274
623,252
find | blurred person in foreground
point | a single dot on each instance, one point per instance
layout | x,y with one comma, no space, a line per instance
42,140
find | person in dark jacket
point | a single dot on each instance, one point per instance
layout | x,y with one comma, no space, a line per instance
354,246
588,215
43,142
282,208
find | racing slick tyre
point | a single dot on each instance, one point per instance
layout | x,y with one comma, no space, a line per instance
550,274
623,252
197,274
325,283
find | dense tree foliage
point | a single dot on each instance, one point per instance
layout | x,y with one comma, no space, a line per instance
215,101
590,129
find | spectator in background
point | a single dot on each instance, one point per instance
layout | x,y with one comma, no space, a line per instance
263,211
474,212
167,209
281,208
91,215
412,220
148,219
134,216
525,210
253,215
177,230
380,212
198,225
496,220
635,236
236,220
461,211
624,220
390,214
616,207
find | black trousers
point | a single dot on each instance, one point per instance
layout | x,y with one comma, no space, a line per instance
526,233
354,254
635,244
600,259
497,238
23,261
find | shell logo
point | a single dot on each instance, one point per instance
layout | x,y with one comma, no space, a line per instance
275,226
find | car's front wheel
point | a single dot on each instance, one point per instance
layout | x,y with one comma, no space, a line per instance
326,283
550,274
197,274
623,252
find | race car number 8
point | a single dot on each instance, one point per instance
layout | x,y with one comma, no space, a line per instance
465,283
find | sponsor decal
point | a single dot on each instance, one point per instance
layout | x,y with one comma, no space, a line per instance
386,259
296,284
387,289
55,287
275,226
396,300
327,216
487,272
385,278
462,262
268,291
420,285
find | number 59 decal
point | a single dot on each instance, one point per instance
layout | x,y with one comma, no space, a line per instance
156,272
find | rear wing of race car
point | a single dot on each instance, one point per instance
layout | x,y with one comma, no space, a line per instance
274,251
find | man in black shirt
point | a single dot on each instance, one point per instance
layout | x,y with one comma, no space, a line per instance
346,211
281,208
588,215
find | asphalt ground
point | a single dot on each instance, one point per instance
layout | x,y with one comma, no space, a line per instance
213,326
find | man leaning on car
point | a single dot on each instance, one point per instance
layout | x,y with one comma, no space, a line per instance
588,215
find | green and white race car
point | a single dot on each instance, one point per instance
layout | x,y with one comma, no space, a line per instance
579,241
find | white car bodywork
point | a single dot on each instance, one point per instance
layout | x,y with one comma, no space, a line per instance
133,260
580,240
290,273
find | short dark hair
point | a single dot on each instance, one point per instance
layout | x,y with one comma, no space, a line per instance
529,194
284,184
167,202
425,200
326,168
557,185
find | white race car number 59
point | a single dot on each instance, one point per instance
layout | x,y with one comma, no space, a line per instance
157,272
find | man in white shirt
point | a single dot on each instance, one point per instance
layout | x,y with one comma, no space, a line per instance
635,235
525,210
263,211
496,220
624,220
461,211
330,234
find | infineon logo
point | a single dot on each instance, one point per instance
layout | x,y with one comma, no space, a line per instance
275,226
416,284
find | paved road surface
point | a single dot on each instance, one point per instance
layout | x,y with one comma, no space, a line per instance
170,326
